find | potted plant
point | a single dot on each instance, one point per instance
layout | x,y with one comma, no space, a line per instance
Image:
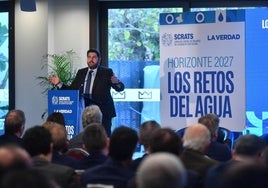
57,64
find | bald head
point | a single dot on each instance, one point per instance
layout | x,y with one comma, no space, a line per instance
196,137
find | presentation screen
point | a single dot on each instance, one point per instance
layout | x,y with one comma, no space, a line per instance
4,67
215,62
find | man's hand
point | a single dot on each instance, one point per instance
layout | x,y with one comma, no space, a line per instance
114,79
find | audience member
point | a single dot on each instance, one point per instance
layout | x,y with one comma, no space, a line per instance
115,171
166,140
196,140
145,131
216,150
26,178
56,117
244,175
96,143
60,144
247,149
161,170
38,142
14,126
91,114
13,157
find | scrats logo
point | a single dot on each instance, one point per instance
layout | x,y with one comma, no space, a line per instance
167,39
55,100
61,100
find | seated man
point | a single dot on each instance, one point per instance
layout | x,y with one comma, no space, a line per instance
196,140
247,149
14,126
145,132
161,170
96,143
216,150
91,114
60,143
38,142
116,170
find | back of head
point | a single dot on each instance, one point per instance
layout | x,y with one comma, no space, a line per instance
244,175
25,178
211,121
161,170
196,137
146,130
13,121
94,137
56,117
58,135
123,142
91,114
165,140
37,140
249,145
13,157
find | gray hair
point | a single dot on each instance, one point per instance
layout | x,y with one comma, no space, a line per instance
196,137
91,114
161,170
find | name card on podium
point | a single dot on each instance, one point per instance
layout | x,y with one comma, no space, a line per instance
66,102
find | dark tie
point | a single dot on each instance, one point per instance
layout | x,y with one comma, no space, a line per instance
87,89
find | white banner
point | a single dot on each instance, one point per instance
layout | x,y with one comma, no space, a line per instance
202,68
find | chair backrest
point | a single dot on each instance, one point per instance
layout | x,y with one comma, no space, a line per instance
77,153
99,186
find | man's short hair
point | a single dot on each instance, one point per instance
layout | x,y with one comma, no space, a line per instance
211,121
94,137
37,140
91,114
166,140
146,130
160,170
13,121
123,142
249,145
196,137
56,117
58,135
93,50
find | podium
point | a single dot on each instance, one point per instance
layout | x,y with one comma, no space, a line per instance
70,105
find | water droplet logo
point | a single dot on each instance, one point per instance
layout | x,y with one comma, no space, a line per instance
220,17
200,17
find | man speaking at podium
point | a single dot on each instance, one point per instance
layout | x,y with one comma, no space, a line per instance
94,83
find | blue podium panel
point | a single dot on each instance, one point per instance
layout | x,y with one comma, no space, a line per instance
66,102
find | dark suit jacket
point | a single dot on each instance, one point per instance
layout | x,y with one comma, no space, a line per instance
219,151
76,141
10,139
94,159
62,159
101,94
109,173
197,162
63,175
214,175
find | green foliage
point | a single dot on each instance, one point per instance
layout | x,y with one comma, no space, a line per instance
134,33
57,64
